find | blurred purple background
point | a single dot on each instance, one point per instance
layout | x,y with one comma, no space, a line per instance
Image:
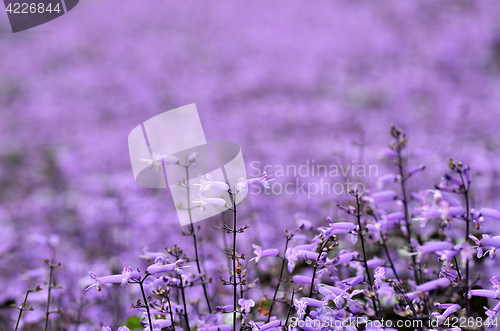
287,81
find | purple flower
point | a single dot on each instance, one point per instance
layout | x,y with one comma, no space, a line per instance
122,279
327,289
495,282
300,306
375,262
491,314
380,197
291,255
448,184
225,309
350,210
312,302
146,254
444,196
259,253
387,179
158,324
418,196
354,236
246,306
220,327
449,273
379,275
127,274
478,246
160,266
448,211
466,253
430,247
491,241
445,257
484,293
374,231
308,254
307,247
354,280
260,180
270,325
415,170
386,291
301,222
336,228
434,284
392,218
300,279
449,310
425,212
488,212
343,258
254,283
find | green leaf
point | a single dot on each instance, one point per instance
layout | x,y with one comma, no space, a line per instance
133,322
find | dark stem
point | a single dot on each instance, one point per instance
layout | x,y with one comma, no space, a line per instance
279,280
235,283
170,311
22,307
365,261
184,304
384,244
80,310
400,283
226,246
146,302
456,267
407,216
241,296
417,270
312,281
290,308
240,277
467,232
322,247
196,242
47,313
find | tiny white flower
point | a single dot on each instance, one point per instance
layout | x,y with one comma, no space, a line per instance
156,160
203,201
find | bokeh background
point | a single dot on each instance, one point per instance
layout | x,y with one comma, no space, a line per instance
287,81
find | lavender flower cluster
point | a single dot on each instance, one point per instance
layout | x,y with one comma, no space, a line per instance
258,70
386,258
